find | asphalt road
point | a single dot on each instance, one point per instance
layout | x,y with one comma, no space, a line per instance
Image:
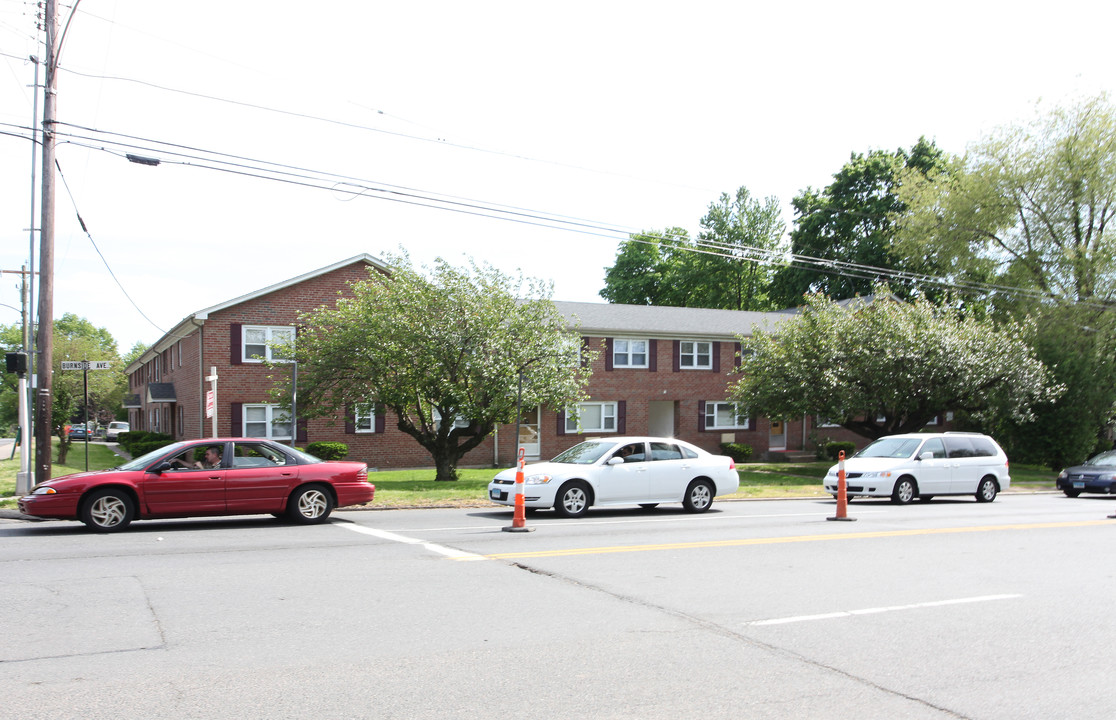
753,610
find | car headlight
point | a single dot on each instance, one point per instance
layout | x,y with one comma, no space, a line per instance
44,491
1062,475
537,479
879,473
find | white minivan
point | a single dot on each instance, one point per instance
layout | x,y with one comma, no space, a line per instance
923,465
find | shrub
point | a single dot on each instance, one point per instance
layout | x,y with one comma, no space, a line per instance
154,442
739,452
833,449
328,450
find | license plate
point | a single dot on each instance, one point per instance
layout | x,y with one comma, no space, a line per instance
1079,486
496,495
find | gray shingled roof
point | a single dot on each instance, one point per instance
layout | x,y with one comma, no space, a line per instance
606,319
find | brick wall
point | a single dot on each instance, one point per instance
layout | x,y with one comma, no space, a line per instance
677,394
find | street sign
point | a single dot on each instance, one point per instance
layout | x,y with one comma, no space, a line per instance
86,365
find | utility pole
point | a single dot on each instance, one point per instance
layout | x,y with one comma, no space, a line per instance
45,345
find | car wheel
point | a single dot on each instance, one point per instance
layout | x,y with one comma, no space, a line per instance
1071,493
649,506
986,491
905,491
572,500
108,510
310,504
699,496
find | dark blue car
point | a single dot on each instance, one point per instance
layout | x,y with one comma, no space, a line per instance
78,432
1096,475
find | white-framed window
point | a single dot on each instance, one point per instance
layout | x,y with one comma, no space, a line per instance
270,422
364,417
629,353
259,339
725,416
591,417
695,355
827,422
458,422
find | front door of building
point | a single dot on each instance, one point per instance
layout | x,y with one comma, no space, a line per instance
529,434
777,436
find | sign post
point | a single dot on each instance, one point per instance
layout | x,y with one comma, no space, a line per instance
85,366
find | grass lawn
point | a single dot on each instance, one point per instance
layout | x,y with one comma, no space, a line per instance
417,488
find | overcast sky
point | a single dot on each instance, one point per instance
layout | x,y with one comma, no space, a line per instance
616,117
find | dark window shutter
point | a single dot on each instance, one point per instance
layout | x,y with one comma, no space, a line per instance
236,419
350,420
380,418
608,354
716,349
561,422
677,355
300,431
236,355
622,417
751,422
701,416
652,355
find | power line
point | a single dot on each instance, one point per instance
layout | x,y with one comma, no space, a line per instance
99,253
357,187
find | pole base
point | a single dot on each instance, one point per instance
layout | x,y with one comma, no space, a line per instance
842,519
513,528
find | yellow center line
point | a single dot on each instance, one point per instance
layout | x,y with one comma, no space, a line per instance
790,539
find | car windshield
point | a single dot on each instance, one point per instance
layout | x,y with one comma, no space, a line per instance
144,460
586,453
891,448
1105,459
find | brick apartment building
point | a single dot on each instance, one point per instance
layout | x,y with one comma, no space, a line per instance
661,371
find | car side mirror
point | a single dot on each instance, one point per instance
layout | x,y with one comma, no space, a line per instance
614,460
928,455
161,467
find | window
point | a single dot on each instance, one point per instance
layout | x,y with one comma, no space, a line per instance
364,418
458,422
695,355
267,421
629,353
258,342
725,416
592,417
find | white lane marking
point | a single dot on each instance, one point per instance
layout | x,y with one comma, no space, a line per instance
873,611
432,547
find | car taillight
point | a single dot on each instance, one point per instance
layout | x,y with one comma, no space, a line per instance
732,464
362,474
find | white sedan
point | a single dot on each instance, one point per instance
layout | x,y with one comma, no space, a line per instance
642,471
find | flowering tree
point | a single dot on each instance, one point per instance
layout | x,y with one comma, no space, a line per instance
879,366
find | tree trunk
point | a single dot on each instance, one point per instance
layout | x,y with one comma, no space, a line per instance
445,467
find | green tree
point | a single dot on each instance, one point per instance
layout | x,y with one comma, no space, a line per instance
444,350
888,366
728,266
1032,207
77,339
11,339
745,235
852,220
641,274
1036,201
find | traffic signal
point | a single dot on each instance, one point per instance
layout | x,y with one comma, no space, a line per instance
16,362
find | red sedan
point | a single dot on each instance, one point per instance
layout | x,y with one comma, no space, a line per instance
223,476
